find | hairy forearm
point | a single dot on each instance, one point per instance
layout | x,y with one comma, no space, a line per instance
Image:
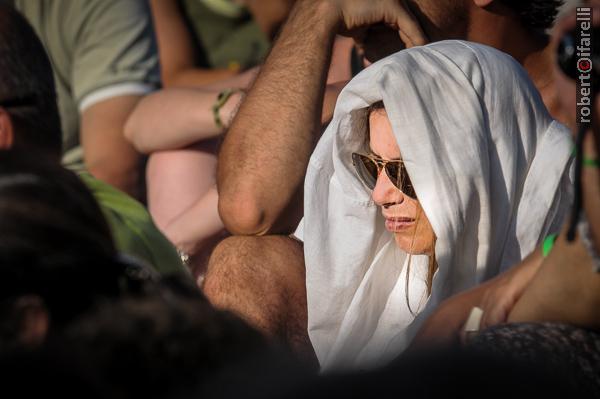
265,154
175,118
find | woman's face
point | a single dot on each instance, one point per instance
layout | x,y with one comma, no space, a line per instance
403,215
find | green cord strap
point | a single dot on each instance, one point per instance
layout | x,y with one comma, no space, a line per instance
588,162
548,244
591,163
221,100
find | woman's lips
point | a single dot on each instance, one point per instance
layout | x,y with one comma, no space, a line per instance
398,224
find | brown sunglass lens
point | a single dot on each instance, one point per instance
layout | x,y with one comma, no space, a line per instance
399,176
404,182
367,170
392,169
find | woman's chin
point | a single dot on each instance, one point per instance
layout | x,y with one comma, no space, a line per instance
416,247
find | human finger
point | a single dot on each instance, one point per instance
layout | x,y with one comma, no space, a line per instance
407,24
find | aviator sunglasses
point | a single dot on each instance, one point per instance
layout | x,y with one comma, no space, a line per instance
368,169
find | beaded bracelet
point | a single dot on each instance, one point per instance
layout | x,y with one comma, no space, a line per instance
548,244
222,99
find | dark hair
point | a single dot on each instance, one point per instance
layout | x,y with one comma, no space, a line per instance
535,14
54,240
360,122
161,345
26,80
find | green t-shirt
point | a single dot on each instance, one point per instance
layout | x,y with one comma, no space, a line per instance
226,33
99,49
132,227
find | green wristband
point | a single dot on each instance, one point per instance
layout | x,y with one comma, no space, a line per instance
591,162
548,244
587,162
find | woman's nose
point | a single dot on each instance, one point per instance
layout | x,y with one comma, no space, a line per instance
385,193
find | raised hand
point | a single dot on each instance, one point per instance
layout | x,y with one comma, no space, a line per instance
356,14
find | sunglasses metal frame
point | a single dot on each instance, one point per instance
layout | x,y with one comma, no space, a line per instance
404,185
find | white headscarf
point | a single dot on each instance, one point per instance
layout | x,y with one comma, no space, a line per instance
489,166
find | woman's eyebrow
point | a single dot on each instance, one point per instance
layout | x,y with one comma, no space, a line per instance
371,152
374,154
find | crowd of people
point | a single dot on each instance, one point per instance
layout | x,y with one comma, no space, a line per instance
299,198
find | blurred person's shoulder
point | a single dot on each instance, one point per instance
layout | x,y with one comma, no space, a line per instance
99,49
132,227
94,44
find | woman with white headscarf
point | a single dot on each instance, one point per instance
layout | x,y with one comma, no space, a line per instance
440,169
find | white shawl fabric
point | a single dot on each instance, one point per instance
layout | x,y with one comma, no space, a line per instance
489,166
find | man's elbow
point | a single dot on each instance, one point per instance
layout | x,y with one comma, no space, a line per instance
244,216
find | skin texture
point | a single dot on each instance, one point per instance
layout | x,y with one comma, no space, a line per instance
176,118
274,265
33,318
442,19
7,136
108,155
182,199
417,236
186,212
